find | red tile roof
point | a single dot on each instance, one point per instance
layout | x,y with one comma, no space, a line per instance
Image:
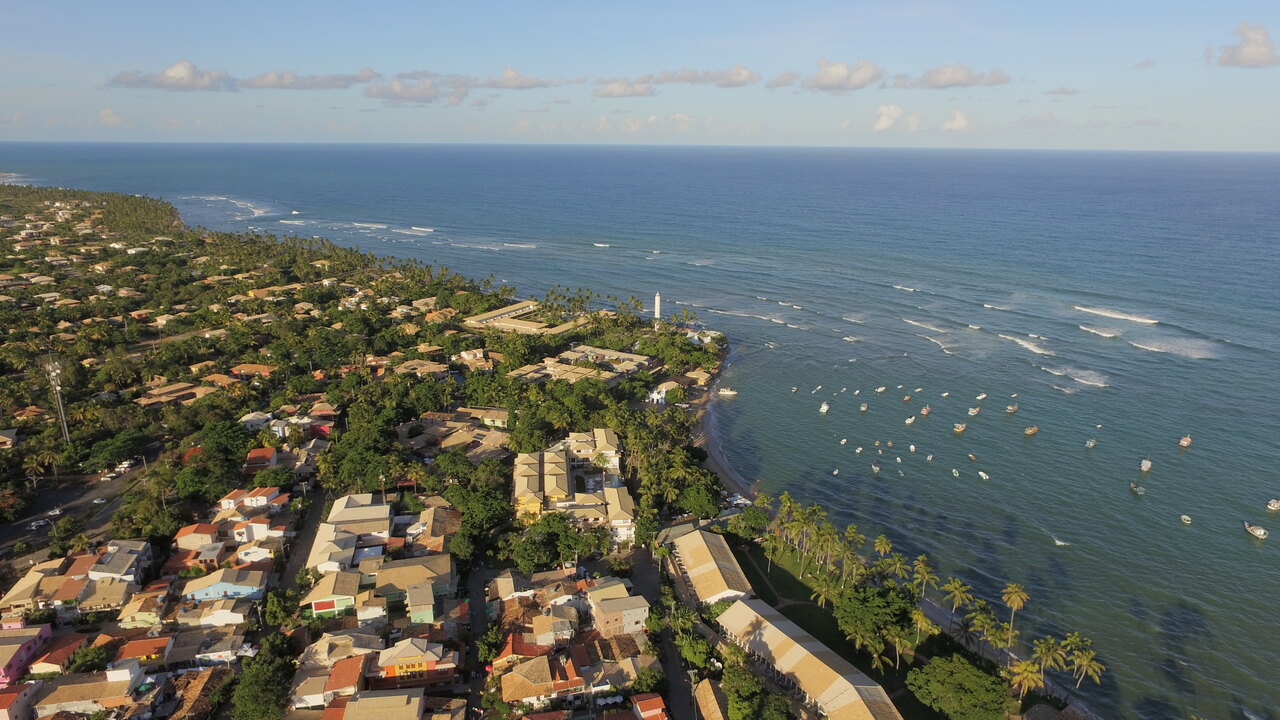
61,649
649,704
144,647
346,673
9,695
336,710
202,528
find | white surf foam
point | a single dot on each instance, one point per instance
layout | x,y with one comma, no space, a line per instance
939,343
526,246
1100,332
1117,315
1028,345
989,306
1183,347
904,287
1066,390
926,326
854,318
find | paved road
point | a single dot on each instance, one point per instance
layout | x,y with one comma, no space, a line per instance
303,541
74,494
645,579
477,584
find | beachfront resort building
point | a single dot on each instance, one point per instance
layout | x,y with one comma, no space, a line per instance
518,318
709,569
578,476
818,675
585,361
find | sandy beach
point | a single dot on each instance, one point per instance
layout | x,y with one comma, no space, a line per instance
707,439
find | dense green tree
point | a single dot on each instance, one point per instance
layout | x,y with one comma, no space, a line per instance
88,659
264,682
960,690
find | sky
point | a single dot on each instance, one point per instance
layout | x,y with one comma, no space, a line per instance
1117,75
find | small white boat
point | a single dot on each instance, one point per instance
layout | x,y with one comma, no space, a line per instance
823,408
928,458
918,390
862,407
793,388
1090,442
1273,504
1010,409
844,440
836,471
972,458
910,420
875,468
1145,465
1256,530
959,427
815,390
897,459
857,392
955,473
946,394
857,450
1013,395
880,389
974,411
912,448
983,475
294,212
1184,441
981,397
602,244
924,411
1137,489
1186,519
726,392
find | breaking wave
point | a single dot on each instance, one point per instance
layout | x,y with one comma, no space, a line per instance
926,326
1100,332
1117,315
1028,345
1187,348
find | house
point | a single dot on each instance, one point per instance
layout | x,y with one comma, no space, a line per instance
346,677
541,679
15,701
149,652
821,678
257,528
649,706
311,681
227,583
193,689
711,701
259,459
18,647
403,704
620,615
436,527
214,613
143,610
58,653
266,497
8,439
333,594
621,513
417,662
248,371
126,560
254,421
393,578
709,568
196,535
88,693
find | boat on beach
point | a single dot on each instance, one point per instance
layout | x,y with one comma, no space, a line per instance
1256,530
1184,441
726,392
1137,489
1031,430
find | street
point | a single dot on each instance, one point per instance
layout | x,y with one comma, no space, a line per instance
646,581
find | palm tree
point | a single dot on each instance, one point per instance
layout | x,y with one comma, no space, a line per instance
897,636
854,539
980,619
824,589
924,626
1049,654
1083,663
1025,675
923,575
772,546
896,565
78,544
882,545
957,594
1014,598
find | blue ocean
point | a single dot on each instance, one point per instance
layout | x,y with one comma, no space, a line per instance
1125,298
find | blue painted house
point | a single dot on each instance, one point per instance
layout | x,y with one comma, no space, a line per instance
227,583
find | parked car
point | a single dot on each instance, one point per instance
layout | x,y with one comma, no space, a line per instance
100,501
36,525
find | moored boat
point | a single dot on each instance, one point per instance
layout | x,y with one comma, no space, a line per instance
974,411
824,407
1273,504
1090,442
1137,489
1145,465
726,392
924,411
983,475
1029,431
981,397
1186,519
1184,441
910,420
1256,530
880,389
875,468
955,473
862,407
906,398
959,427
1011,409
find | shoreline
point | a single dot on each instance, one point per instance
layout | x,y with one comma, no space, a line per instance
705,437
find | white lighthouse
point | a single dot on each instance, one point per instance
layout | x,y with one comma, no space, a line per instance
657,308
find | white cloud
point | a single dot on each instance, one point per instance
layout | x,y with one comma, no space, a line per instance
289,80
182,75
959,122
1062,91
886,116
623,88
838,77
1145,64
736,76
957,75
108,117
511,79
783,80
418,87
1256,49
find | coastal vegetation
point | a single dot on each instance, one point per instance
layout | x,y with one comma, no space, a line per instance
879,600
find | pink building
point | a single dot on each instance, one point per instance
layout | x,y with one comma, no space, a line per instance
18,647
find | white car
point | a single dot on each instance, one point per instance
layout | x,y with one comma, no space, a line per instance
100,501
37,524
54,512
